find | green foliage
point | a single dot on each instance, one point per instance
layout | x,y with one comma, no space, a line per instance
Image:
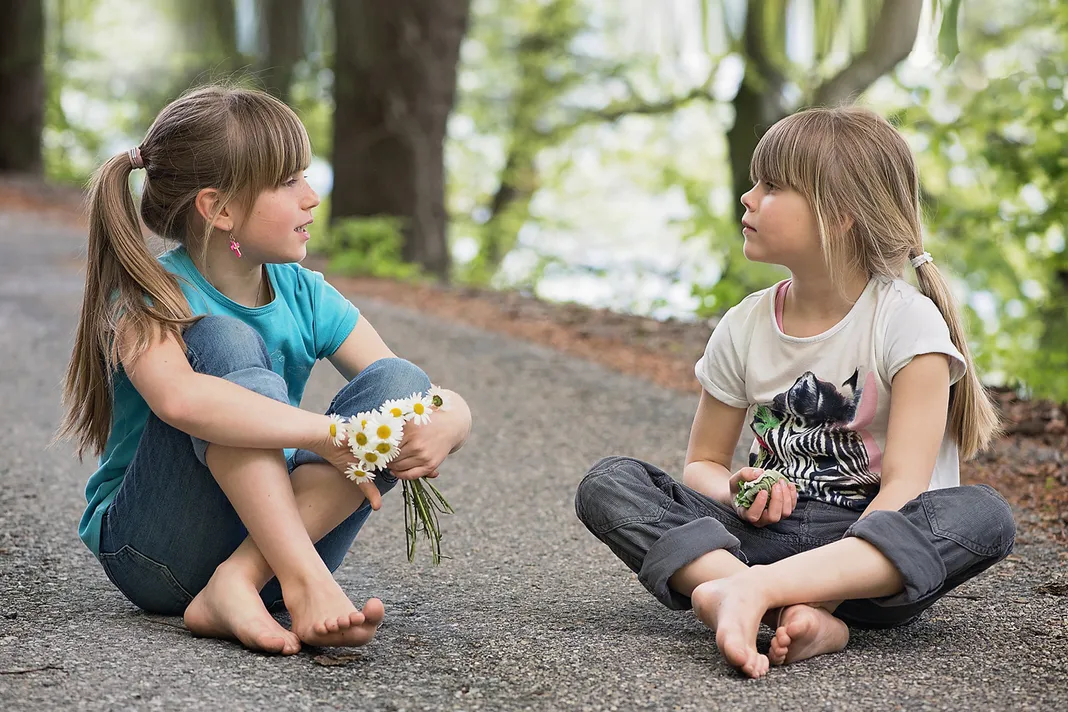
369,247
995,174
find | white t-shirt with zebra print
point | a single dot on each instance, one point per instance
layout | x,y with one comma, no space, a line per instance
819,405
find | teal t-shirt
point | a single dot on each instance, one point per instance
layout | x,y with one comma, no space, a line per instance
307,320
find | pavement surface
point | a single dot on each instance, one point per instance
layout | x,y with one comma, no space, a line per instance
530,612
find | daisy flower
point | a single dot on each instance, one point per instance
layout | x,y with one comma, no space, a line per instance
382,426
372,460
337,429
386,449
438,398
357,474
358,439
398,408
419,412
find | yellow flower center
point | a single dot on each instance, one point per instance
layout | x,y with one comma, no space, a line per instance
384,432
418,409
383,448
333,430
396,412
370,456
361,439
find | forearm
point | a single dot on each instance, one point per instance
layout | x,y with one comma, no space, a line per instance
709,478
225,413
458,418
891,498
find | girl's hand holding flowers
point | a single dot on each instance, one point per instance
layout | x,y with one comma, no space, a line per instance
769,505
398,435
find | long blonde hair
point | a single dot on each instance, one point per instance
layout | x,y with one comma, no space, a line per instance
850,162
237,141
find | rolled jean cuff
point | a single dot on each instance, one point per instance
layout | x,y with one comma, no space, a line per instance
256,379
909,550
678,547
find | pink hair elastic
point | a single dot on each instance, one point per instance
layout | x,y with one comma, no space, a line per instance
135,157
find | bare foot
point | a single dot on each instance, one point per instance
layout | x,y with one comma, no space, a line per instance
229,606
805,632
732,609
324,616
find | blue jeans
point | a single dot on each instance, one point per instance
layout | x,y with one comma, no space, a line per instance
170,524
656,526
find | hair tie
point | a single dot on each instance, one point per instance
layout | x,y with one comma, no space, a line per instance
135,157
921,259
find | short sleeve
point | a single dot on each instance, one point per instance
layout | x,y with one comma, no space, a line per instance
915,328
334,317
721,370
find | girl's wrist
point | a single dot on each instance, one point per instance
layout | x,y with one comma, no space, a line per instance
317,437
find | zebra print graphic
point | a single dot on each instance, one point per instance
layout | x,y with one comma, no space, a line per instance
806,434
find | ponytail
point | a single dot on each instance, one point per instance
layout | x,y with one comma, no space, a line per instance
124,285
973,420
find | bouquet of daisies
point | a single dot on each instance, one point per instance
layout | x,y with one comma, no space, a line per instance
374,439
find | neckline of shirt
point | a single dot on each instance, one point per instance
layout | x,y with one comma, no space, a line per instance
864,296
202,283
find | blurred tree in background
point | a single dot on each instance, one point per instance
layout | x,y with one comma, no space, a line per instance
22,86
540,143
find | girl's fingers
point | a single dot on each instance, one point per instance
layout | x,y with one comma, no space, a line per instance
774,512
372,494
754,513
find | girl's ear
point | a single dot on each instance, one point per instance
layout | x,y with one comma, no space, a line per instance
208,202
847,224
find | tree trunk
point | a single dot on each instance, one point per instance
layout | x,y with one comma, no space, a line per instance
394,87
22,85
282,32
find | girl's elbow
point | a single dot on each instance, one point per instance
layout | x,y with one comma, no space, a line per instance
174,407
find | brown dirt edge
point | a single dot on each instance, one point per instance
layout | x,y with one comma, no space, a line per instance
1029,465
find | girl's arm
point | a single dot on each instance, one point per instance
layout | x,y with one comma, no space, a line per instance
919,406
713,438
217,410
424,447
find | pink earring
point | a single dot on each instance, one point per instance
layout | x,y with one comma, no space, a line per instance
235,246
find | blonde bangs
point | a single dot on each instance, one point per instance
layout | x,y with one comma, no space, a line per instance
792,152
268,144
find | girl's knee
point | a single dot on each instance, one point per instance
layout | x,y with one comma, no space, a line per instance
611,491
218,345
1001,523
397,377
975,516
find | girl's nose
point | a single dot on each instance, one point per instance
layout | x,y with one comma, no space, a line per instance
747,199
312,200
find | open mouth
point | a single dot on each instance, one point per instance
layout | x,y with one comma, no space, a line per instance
303,229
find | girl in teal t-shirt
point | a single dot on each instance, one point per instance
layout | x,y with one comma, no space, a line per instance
216,497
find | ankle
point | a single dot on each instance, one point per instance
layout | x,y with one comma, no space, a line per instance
231,570
310,578
759,586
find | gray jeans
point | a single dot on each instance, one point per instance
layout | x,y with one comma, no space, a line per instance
657,525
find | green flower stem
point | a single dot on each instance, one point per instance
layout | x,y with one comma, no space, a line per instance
421,508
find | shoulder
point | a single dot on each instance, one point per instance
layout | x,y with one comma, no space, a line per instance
749,312
296,280
908,324
901,303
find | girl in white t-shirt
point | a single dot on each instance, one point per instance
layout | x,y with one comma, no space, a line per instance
858,388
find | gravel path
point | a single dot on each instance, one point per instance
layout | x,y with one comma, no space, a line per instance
529,613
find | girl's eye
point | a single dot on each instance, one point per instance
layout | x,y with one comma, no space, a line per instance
770,186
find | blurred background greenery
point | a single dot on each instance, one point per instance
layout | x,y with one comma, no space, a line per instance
593,150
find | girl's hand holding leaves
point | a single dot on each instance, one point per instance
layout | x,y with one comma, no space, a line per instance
762,497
